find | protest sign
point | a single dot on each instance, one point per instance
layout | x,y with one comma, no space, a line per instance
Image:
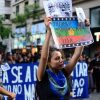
21,79
80,15
5,67
68,33
80,81
58,8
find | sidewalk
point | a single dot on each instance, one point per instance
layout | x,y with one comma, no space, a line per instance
92,96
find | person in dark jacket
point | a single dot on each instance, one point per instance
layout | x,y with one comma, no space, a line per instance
95,65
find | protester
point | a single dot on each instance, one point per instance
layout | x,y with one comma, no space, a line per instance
10,95
95,66
52,76
3,91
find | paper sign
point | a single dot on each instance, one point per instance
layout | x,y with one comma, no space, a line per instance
68,33
58,8
80,14
5,67
80,81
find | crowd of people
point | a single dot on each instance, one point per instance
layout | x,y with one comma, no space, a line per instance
14,58
26,57
93,65
52,76
93,71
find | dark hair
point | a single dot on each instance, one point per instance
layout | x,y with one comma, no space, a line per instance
51,50
96,54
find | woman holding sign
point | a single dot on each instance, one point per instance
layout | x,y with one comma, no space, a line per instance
52,74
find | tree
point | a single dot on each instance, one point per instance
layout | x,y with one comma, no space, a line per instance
28,34
4,31
20,19
32,11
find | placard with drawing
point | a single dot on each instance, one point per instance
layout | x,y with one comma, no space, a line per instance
58,8
68,33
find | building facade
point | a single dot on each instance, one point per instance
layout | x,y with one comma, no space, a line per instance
10,8
5,11
34,26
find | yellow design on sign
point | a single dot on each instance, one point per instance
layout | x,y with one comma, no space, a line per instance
71,31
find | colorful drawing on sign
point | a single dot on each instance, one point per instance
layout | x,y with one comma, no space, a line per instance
67,32
58,8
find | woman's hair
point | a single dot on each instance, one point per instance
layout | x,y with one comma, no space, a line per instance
51,50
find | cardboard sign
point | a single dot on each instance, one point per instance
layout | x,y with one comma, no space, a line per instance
68,33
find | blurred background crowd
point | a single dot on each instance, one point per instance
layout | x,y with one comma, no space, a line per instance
32,57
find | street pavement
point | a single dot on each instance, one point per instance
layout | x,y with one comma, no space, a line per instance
92,96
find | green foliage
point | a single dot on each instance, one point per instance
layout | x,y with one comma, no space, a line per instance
32,11
28,34
4,31
14,20
28,10
1,19
7,31
20,19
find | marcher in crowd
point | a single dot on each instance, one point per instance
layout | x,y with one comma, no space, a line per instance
52,75
95,65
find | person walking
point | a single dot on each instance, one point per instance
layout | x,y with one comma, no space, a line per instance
52,75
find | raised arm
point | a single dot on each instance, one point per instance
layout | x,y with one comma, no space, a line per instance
70,66
78,51
45,51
